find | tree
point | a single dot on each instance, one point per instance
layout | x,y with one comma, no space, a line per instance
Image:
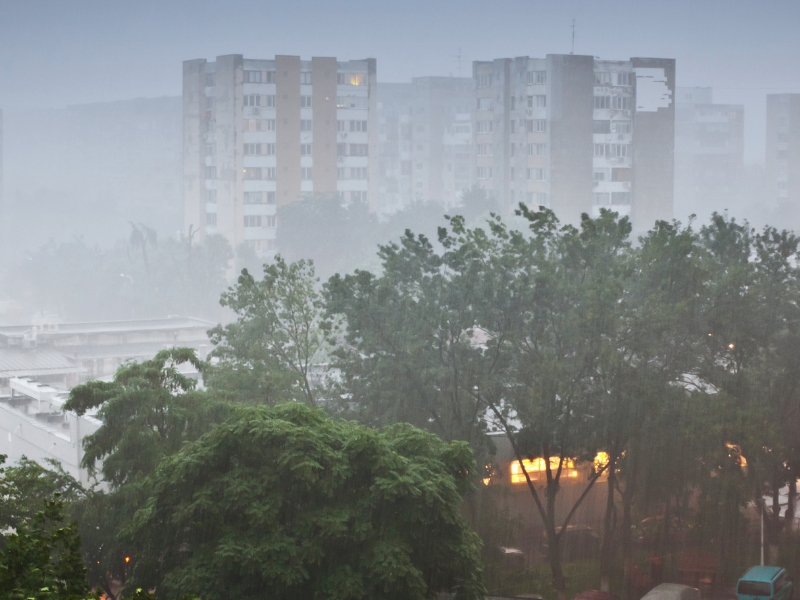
271,351
289,503
24,488
148,412
42,559
323,229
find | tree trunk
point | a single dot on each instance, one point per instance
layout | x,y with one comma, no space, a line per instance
607,551
789,519
776,512
625,530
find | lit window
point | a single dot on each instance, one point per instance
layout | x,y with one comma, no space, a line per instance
537,468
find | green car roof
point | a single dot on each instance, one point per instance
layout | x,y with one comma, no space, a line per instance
762,574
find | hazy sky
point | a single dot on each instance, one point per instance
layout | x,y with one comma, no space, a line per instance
59,52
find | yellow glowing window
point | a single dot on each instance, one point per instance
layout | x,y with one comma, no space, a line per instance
357,79
536,469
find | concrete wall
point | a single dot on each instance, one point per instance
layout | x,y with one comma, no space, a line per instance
323,78
287,85
228,112
571,95
194,118
653,142
783,149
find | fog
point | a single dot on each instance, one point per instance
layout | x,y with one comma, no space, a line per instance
399,299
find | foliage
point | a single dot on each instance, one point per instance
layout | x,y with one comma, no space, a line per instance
42,559
269,353
148,411
288,503
323,229
137,278
26,485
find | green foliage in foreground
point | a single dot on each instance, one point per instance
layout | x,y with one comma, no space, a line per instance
287,503
42,559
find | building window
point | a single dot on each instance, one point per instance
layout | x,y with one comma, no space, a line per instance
211,172
210,126
513,102
305,173
513,125
511,174
541,199
599,175
484,104
536,174
601,102
340,173
603,126
211,219
305,101
305,149
529,125
252,220
251,100
612,150
541,126
269,101
252,77
259,125
252,173
254,149
210,81
351,79
530,150
622,126
358,197
538,101
541,149
352,102
358,126
537,77
620,174
305,77
341,126
306,125
625,79
485,126
484,81
211,196
602,78
601,199
341,149
484,149
211,149
209,103
262,245
620,198
512,150
484,172
621,103
254,198
359,173
359,149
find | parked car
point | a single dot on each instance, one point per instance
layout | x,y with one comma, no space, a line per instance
765,583
672,591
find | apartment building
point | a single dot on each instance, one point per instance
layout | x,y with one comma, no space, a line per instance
425,141
260,134
709,152
577,134
783,150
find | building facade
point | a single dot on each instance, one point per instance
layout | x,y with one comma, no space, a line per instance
577,134
424,141
259,134
783,150
709,152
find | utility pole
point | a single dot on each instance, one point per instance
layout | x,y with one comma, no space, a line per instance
762,533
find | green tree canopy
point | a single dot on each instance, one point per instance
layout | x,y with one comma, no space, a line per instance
42,559
287,503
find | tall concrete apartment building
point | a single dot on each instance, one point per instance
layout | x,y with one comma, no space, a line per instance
709,152
424,141
783,149
259,134
577,134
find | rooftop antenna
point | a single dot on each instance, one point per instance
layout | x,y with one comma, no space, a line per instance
573,36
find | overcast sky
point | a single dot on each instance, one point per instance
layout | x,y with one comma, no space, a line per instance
59,52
